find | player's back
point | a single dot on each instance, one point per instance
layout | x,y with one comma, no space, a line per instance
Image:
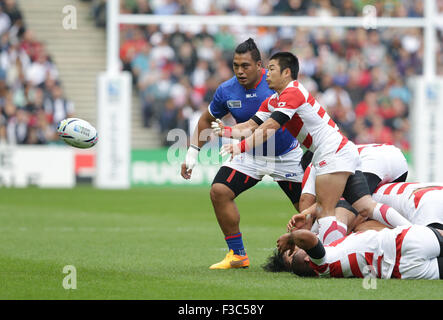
309,122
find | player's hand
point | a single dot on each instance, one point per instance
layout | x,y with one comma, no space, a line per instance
298,221
217,127
190,162
230,149
285,242
357,220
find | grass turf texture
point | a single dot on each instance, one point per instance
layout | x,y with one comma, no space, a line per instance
156,243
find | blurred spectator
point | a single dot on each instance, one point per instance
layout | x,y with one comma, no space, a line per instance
31,101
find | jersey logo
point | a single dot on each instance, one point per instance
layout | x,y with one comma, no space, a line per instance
234,104
281,104
251,95
321,164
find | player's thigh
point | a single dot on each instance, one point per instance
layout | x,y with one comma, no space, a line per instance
329,188
233,180
292,191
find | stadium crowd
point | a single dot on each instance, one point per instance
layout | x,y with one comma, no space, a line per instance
32,101
359,75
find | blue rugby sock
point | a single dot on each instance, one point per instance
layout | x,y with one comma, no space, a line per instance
235,243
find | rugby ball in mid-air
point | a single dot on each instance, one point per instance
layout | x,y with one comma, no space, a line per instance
77,133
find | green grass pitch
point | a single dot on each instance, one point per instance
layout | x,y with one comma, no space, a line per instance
156,243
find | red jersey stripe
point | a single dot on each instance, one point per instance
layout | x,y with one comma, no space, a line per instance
311,100
342,144
403,187
353,263
306,176
335,269
389,189
384,210
420,193
398,244
379,266
308,141
321,112
318,268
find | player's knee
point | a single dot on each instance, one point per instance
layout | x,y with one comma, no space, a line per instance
220,193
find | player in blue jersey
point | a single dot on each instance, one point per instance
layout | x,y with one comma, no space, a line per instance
241,96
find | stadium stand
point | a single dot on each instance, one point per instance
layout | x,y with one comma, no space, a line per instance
32,100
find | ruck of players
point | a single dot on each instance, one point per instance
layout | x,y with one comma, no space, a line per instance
356,212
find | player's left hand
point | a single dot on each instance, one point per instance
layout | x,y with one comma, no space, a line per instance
231,149
217,127
285,242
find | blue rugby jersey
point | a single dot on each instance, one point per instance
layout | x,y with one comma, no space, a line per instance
232,97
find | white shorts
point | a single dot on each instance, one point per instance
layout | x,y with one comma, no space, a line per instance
281,168
386,162
327,160
419,250
429,209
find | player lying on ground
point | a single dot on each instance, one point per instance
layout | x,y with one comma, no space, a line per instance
241,96
420,203
335,158
407,252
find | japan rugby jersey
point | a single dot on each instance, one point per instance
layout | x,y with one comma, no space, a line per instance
309,122
362,254
405,197
232,97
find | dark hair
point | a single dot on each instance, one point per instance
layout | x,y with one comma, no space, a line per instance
249,46
275,263
287,60
306,159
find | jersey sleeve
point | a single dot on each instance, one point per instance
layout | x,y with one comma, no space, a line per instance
218,108
263,112
289,101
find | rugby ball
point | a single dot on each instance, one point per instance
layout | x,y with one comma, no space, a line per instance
77,133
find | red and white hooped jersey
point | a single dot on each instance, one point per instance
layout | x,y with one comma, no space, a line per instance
309,122
384,160
420,203
382,254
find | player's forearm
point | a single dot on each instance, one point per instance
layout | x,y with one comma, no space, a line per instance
260,135
241,130
199,137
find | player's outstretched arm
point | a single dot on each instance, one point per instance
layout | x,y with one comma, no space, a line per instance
197,142
266,130
241,130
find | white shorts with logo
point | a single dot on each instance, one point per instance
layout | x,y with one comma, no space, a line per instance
326,159
281,168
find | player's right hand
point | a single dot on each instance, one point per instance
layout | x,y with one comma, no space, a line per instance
190,162
298,221
217,127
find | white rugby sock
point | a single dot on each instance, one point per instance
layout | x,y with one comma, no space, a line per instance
330,229
389,216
